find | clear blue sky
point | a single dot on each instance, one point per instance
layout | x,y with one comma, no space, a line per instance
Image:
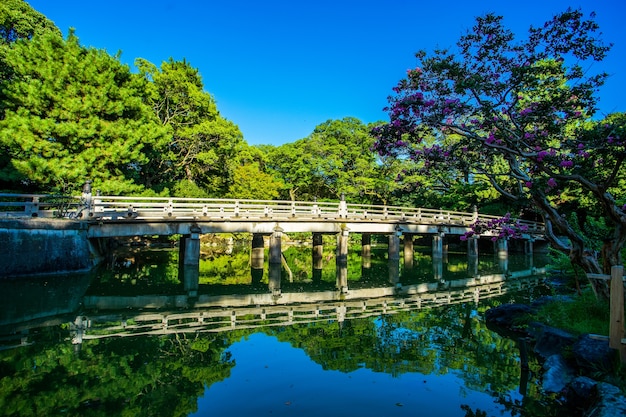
278,68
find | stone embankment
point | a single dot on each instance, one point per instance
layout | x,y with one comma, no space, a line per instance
39,246
570,363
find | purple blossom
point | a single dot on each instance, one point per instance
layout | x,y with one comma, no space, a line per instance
567,164
551,183
541,155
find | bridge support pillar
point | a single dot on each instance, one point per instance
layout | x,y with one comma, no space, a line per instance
342,261
408,251
366,250
366,245
275,246
438,268
472,247
318,256
318,250
393,250
393,265
472,266
257,255
189,269
257,258
438,245
502,248
274,280
528,247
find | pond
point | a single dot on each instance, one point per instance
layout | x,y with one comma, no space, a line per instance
378,338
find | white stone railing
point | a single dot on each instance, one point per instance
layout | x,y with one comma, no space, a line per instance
119,208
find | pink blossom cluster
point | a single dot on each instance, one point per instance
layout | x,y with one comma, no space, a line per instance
503,228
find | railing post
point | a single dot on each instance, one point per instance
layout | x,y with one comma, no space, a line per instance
87,198
616,329
343,207
33,210
97,203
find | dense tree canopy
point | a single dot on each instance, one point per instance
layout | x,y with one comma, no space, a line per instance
19,21
76,116
335,159
515,113
202,144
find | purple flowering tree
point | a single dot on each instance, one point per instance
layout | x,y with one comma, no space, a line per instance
516,114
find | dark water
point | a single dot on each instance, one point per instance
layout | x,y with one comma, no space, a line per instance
399,340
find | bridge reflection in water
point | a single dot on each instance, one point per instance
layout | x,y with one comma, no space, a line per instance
277,302
193,313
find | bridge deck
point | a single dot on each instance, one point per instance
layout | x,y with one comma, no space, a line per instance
127,216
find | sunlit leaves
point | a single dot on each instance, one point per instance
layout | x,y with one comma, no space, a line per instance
517,113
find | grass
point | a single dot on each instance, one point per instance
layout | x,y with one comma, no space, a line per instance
584,314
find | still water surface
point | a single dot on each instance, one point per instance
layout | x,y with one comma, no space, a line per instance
400,340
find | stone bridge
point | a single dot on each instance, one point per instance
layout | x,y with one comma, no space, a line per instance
98,217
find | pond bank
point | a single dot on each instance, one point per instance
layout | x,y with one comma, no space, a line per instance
571,364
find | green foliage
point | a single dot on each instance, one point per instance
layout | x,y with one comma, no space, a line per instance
18,21
516,113
142,376
584,314
201,144
186,188
334,159
250,182
73,113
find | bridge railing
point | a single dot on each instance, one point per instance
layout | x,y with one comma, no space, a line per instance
36,205
111,208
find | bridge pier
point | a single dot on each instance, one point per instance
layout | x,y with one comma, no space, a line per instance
318,250
528,247
342,261
257,255
438,268
189,268
274,280
275,246
502,248
472,246
393,266
366,250
318,256
438,245
472,266
366,245
408,251
393,250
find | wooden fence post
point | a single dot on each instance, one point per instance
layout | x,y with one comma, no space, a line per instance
616,329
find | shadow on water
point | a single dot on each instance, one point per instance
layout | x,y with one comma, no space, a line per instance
376,337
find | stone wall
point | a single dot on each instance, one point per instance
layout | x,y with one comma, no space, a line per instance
41,246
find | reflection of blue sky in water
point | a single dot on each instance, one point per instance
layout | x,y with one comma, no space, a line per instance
272,378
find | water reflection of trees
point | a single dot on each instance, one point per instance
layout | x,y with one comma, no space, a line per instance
149,375
164,375
143,376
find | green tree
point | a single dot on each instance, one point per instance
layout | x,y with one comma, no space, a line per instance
335,159
72,113
202,143
521,119
19,21
250,177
